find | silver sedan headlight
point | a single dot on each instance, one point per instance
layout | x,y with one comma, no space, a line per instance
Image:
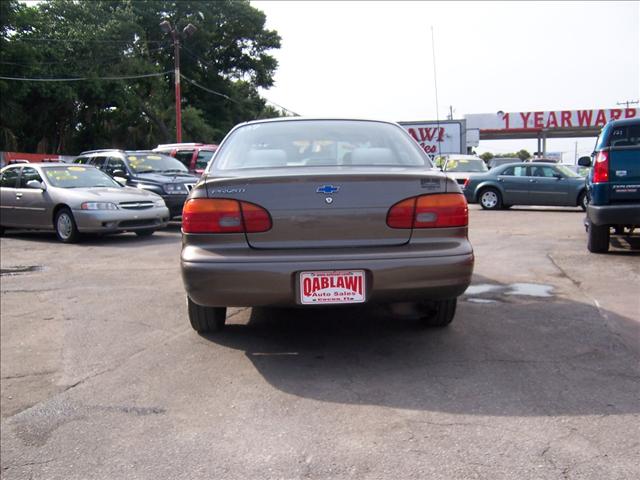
159,203
99,206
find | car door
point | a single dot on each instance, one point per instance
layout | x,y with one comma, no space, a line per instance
114,164
515,185
8,190
548,186
32,204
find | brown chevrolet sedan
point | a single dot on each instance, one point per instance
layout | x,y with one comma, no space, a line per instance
310,212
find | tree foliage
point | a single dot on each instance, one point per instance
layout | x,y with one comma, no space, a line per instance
521,154
228,54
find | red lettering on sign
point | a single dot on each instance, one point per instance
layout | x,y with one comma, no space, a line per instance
441,134
505,117
412,132
615,113
354,284
630,113
584,118
601,119
525,119
427,134
306,285
324,283
566,119
340,283
537,119
315,284
552,121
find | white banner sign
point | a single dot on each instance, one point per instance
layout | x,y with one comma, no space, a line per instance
555,120
436,138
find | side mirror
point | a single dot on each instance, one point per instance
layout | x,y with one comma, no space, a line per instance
120,173
36,185
584,161
558,176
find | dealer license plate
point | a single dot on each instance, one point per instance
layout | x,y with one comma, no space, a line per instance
336,286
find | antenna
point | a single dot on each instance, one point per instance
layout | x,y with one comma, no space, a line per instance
435,84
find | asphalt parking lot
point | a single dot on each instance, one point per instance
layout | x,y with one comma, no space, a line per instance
537,377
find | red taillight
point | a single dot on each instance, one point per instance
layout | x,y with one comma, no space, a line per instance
218,215
430,211
601,168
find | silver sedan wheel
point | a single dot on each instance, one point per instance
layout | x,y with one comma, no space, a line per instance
489,199
64,226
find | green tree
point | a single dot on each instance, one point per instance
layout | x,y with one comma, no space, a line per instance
486,156
228,55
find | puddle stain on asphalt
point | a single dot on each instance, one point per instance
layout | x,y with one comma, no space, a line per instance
19,269
494,291
36,425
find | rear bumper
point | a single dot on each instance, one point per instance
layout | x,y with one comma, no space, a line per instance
624,214
106,221
274,281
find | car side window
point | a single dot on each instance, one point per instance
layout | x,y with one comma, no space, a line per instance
185,157
518,171
114,164
9,178
98,162
28,174
548,172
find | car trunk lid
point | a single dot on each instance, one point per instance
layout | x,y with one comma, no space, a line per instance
325,208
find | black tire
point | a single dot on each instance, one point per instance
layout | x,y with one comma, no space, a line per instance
506,207
1,231
597,238
65,226
583,201
145,233
490,199
439,313
206,319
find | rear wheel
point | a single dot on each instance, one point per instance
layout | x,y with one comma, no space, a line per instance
439,313
145,233
65,225
597,238
206,319
583,201
490,199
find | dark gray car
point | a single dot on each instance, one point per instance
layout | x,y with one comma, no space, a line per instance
526,184
313,213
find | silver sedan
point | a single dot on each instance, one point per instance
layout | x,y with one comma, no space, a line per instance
75,199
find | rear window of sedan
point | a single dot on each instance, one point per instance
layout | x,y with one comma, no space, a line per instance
319,143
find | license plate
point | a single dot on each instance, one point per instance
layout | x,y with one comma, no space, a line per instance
336,286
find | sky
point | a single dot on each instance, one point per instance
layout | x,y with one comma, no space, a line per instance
369,59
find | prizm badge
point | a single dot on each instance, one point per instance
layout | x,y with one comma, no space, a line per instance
229,190
327,189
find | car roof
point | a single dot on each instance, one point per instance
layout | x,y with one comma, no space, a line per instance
306,119
624,121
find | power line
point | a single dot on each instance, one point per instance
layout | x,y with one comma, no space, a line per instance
72,40
95,62
77,79
193,82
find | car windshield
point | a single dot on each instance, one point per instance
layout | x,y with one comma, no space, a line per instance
466,165
567,172
78,177
154,162
319,143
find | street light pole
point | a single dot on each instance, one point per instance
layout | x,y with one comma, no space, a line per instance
176,44
175,36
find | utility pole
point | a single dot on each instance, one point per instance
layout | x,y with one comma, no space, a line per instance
575,159
450,112
628,102
175,36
